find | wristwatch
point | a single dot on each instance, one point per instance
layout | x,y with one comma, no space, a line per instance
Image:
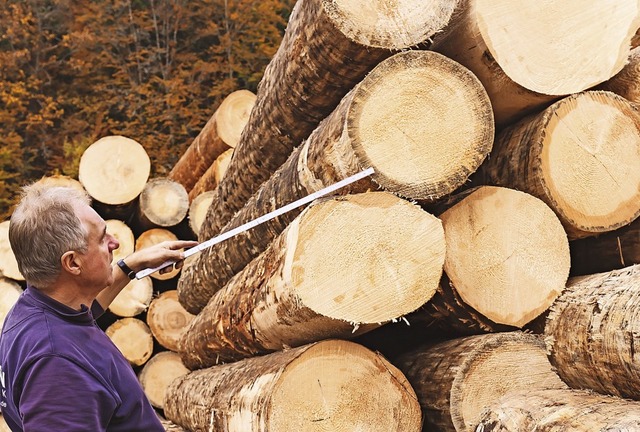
126,269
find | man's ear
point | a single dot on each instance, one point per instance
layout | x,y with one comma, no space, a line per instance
71,263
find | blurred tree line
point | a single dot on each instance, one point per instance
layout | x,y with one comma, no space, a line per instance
73,71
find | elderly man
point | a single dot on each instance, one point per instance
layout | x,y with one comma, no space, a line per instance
59,371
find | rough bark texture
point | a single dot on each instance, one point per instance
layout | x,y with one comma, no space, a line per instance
133,338
589,175
328,47
593,332
626,83
456,380
212,176
507,261
158,373
170,426
605,252
332,385
163,203
418,157
344,265
168,320
8,264
561,410
529,53
219,134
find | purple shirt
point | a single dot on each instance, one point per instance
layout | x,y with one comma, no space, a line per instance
60,372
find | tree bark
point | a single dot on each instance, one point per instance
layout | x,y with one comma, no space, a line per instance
158,373
561,410
507,261
168,320
592,333
529,53
626,83
114,170
133,299
163,203
211,178
344,266
609,251
133,338
9,293
221,133
456,380
198,210
581,156
8,264
328,47
170,426
417,157
152,237
330,385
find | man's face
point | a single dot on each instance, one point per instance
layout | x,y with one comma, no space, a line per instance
96,267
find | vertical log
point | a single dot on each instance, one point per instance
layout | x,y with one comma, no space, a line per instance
327,386
328,47
529,53
592,332
581,156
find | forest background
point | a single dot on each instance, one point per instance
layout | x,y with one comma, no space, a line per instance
73,71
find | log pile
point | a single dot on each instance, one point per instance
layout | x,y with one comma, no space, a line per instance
505,140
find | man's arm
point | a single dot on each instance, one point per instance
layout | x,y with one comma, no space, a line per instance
145,258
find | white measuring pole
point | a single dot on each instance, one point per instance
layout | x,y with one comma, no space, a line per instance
264,218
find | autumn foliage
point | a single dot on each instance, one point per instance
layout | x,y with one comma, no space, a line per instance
151,70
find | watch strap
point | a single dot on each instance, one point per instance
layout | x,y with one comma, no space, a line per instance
126,269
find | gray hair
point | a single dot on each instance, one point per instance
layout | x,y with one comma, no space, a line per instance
43,227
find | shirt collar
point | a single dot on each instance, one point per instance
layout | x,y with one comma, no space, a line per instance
62,310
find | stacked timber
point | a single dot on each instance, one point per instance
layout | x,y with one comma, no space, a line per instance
158,373
212,176
328,47
328,385
163,203
626,83
198,210
442,131
133,338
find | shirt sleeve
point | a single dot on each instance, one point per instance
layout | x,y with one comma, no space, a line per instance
59,395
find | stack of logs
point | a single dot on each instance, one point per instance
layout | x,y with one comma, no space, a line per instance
482,279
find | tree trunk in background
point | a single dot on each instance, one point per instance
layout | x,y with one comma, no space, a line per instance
609,251
152,237
221,133
530,53
418,157
626,83
9,293
211,178
163,203
561,410
158,373
593,330
581,156
114,170
328,47
332,385
133,338
507,261
8,264
360,260
458,379
134,298
168,320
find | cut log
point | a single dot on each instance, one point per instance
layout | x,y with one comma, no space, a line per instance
593,330
328,47
152,237
507,261
626,83
529,53
581,156
163,203
62,181
133,299
124,235
328,386
168,320
9,293
458,379
418,157
114,170
133,338
212,176
158,373
221,133
170,426
561,410
344,266
609,251
8,264
198,210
